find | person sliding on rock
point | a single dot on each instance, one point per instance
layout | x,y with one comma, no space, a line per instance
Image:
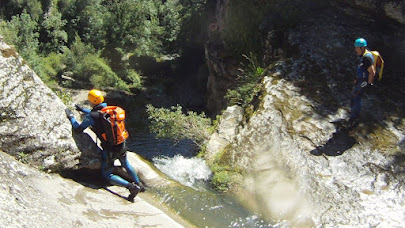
364,78
110,151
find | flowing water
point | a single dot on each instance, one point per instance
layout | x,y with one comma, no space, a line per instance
193,200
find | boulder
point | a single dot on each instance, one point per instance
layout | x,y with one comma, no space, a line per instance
33,123
227,131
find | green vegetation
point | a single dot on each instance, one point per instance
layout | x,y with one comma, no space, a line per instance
221,180
22,157
225,172
79,38
173,123
65,96
246,85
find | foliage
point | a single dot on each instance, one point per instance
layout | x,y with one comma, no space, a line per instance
9,8
193,21
49,68
246,83
170,21
221,180
59,36
100,74
22,32
23,157
173,123
86,19
65,96
53,37
76,54
134,79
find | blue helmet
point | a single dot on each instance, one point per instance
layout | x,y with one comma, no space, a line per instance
360,42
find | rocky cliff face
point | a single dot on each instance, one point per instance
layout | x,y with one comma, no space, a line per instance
320,39
389,8
297,165
33,125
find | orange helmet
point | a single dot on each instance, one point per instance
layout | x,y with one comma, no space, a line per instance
95,96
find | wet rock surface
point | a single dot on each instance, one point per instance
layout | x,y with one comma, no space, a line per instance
31,198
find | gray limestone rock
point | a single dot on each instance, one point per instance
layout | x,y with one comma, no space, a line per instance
33,122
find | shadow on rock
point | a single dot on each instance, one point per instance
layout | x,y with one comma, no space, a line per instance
90,153
92,178
88,173
337,145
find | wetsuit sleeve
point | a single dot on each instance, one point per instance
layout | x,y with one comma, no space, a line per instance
86,110
87,121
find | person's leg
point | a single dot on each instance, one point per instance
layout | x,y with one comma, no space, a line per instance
128,167
106,171
355,104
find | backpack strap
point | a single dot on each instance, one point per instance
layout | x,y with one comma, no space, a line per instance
96,115
369,54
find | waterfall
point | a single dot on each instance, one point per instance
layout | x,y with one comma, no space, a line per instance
188,171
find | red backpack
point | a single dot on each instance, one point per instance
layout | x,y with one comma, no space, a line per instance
113,123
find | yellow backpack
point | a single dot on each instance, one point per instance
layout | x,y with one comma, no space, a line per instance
378,62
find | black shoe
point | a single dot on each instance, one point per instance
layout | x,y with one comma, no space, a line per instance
134,190
142,188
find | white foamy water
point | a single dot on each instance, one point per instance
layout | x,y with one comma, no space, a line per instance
187,171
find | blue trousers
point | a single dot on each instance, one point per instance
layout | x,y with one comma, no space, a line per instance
109,154
355,103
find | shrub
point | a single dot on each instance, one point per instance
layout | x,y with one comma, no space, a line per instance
246,84
221,180
75,56
49,68
134,79
173,123
100,74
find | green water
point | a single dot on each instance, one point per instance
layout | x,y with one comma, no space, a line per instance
205,208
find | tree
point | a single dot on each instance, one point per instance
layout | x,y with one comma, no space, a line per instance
53,38
9,8
22,31
87,18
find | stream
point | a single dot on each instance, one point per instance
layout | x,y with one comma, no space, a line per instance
194,200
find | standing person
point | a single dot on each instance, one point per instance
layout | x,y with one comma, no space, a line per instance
364,78
110,152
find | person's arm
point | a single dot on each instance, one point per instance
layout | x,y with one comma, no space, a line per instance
368,64
371,74
81,109
78,128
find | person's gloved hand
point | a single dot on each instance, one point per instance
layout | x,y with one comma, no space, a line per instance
78,107
69,114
